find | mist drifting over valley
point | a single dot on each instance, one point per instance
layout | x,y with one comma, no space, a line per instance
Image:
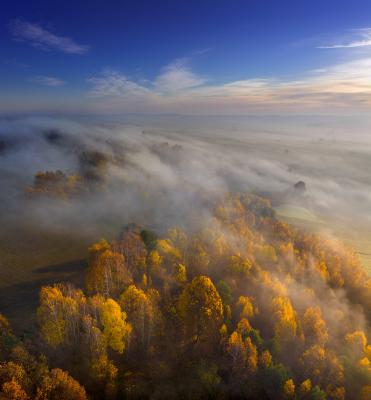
159,167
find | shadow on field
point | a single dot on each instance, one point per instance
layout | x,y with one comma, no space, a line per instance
19,301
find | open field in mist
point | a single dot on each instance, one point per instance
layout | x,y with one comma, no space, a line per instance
358,238
31,257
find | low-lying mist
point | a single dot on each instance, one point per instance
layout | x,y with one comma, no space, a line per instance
159,169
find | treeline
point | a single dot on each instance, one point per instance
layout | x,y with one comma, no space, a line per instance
246,307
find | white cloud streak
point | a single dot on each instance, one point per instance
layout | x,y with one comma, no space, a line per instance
47,81
177,77
40,38
363,40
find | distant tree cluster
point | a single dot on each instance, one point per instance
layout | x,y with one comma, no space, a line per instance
246,307
57,184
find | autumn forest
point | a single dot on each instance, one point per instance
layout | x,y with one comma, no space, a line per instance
246,307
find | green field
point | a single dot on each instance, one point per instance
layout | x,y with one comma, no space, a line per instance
297,213
31,257
358,237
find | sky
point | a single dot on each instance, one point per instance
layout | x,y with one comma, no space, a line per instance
186,57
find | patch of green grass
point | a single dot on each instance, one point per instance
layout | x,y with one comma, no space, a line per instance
296,212
358,238
31,257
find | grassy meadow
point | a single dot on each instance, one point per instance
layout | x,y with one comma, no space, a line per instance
31,257
358,238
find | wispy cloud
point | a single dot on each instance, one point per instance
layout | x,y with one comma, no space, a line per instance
47,81
40,38
176,77
362,39
179,89
173,79
111,83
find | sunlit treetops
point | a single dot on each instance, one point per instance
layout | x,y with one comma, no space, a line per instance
244,307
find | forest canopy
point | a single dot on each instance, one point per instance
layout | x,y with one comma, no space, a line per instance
245,307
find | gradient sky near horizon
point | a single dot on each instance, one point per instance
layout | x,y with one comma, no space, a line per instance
188,57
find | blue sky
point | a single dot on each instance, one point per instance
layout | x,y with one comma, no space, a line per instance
192,57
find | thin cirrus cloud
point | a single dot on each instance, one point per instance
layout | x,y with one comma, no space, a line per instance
178,89
47,81
40,38
173,79
362,39
177,77
111,83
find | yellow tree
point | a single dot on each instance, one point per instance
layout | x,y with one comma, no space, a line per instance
243,356
265,359
13,372
115,328
93,343
180,240
142,313
132,247
314,327
169,252
289,389
201,309
58,315
313,360
236,350
239,267
252,356
12,390
59,385
180,274
357,342
305,388
106,274
245,304
155,269
285,318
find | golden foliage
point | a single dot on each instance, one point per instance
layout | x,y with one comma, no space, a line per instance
262,327
289,388
201,308
59,385
115,328
12,391
285,318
